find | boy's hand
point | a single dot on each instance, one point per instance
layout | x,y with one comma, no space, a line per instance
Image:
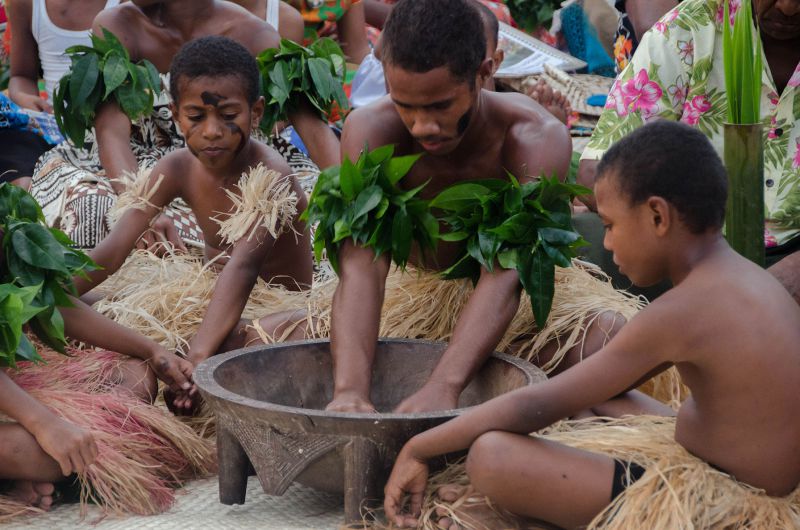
72,447
182,402
34,102
161,237
175,371
409,476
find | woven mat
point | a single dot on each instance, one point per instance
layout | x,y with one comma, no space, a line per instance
198,506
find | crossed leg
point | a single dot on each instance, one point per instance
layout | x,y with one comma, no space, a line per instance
535,479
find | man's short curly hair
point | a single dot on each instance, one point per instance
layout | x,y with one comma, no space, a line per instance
421,35
215,56
673,161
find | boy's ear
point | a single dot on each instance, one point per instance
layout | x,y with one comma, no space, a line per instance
485,71
498,57
257,112
661,215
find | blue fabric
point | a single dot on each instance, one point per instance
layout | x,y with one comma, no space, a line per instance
12,116
583,42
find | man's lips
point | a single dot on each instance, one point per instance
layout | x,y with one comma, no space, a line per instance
213,151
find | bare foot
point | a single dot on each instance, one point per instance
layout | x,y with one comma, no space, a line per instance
350,403
470,509
428,398
554,101
36,494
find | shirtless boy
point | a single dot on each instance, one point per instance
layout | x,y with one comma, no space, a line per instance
214,86
436,107
728,326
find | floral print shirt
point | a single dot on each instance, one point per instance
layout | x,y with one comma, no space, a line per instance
677,74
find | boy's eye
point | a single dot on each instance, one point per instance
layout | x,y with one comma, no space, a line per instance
229,117
195,117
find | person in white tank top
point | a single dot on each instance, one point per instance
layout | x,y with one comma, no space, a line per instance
41,31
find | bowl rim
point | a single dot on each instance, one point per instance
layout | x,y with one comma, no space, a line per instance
203,377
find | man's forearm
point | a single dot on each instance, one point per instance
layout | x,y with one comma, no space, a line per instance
319,139
355,318
482,323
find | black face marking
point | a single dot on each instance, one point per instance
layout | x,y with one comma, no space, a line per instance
463,122
211,99
235,129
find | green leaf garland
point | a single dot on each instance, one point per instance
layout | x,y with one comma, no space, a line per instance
35,277
527,227
362,201
292,72
99,73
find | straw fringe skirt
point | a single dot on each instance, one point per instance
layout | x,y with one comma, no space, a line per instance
144,451
677,492
165,299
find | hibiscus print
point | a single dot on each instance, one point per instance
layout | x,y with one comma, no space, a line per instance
734,7
769,239
692,110
796,161
686,51
678,92
639,94
661,25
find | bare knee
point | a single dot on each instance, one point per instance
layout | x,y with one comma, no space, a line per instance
139,380
485,457
280,327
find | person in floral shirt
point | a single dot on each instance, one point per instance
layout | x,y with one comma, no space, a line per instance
677,74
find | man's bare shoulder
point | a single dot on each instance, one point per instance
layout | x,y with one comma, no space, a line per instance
121,20
534,138
374,125
236,22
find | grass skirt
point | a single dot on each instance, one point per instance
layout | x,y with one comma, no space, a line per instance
677,491
144,451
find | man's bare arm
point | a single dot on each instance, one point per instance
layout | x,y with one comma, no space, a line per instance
643,14
481,324
22,87
319,139
113,133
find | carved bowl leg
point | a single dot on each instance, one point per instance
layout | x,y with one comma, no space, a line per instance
233,468
364,476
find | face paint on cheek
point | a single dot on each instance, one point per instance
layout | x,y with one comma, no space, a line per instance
235,129
463,122
211,99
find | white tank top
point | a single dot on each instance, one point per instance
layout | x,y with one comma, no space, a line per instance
52,41
272,13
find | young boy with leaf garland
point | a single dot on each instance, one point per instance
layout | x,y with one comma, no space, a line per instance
40,447
240,190
127,128
728,326
378,209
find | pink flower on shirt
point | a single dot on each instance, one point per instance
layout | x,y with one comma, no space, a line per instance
773,124
796,161
686,51
692,110
678,92
661,25
795,80
639,94
734,7
769,239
